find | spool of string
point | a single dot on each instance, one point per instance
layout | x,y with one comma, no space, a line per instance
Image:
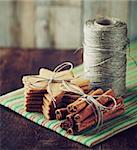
105,44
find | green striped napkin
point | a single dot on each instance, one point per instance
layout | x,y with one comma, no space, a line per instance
15,101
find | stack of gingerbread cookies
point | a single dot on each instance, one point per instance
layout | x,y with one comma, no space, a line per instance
34,92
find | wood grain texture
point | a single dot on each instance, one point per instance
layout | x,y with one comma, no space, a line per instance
65,27
60,2
26,10
43,37
109,8
6,22
18,133
132,15
58,23
30,136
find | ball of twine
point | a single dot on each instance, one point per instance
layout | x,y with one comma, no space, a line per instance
105,44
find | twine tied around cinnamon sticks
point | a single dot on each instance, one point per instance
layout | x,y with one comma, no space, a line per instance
97,107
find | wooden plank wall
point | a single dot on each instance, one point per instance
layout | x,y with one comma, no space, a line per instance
110,8
6,23
57,23
132,22
27,20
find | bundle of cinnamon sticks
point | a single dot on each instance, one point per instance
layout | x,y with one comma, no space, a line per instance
80,116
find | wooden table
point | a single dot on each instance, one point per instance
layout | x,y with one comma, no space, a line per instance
19,133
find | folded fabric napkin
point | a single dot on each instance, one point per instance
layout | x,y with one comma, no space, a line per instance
15,101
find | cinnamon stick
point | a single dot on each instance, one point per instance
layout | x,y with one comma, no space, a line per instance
91,120
71,131
80,103
61,113
69,122
66,125
70,117
83,114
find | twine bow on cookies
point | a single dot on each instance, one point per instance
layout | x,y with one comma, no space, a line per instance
47,77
